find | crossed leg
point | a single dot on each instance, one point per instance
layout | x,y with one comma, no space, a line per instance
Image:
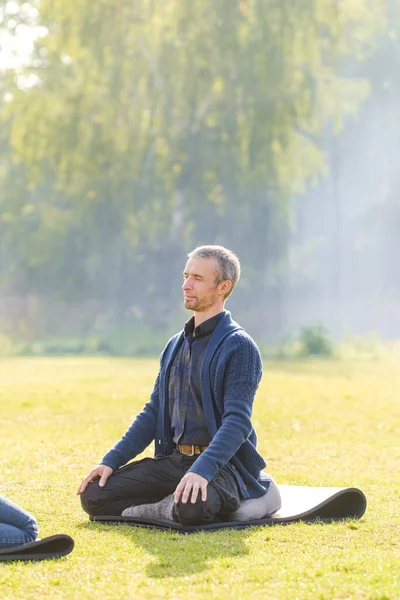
152,479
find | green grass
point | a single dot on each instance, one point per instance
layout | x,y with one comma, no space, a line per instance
319,423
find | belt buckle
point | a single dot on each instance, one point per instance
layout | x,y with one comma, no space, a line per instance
193,450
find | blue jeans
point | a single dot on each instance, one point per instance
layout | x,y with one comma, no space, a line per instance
17,526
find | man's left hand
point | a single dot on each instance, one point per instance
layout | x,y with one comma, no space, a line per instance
191,482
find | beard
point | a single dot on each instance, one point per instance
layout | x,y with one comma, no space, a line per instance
200,304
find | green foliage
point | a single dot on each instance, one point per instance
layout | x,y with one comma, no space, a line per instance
311,341
285,349
134,342
367,347
315,341
141,129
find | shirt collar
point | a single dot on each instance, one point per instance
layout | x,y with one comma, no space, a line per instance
205,328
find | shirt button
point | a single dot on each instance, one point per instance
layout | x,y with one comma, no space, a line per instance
233,467
244,487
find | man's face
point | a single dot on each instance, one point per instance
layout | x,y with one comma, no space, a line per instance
200,290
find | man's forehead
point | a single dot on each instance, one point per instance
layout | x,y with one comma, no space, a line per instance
201,265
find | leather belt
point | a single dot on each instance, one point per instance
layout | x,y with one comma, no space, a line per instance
190,449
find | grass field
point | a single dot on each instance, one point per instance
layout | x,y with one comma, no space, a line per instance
319,423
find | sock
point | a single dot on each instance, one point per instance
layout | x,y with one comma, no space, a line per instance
162,510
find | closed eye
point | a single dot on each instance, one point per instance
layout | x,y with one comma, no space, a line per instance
196,277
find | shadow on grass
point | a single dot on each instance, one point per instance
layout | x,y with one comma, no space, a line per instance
177,554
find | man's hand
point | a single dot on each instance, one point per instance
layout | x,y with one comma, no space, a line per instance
101,471
191,482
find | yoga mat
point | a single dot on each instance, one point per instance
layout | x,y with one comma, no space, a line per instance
308,504
49,547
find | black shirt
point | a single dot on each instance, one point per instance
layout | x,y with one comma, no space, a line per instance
185,405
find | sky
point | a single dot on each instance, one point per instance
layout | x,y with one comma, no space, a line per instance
16,40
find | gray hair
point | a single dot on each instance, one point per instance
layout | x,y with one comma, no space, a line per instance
228,263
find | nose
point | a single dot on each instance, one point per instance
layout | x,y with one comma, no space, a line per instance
186,284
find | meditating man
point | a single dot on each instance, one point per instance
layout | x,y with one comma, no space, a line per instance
198,415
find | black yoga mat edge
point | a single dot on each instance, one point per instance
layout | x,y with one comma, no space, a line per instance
54,546
343,503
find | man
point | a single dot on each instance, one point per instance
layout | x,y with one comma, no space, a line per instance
198,414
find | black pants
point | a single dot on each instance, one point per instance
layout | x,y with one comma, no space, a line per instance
152,479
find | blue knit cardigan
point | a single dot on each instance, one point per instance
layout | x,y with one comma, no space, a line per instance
230,375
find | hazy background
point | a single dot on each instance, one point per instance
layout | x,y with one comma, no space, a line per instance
130,132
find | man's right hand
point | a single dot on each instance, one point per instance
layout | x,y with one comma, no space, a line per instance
101,471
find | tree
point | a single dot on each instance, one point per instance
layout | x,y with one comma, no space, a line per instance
152,126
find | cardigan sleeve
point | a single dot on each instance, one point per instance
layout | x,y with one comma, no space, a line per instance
236,379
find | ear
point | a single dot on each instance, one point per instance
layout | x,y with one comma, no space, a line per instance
225,286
